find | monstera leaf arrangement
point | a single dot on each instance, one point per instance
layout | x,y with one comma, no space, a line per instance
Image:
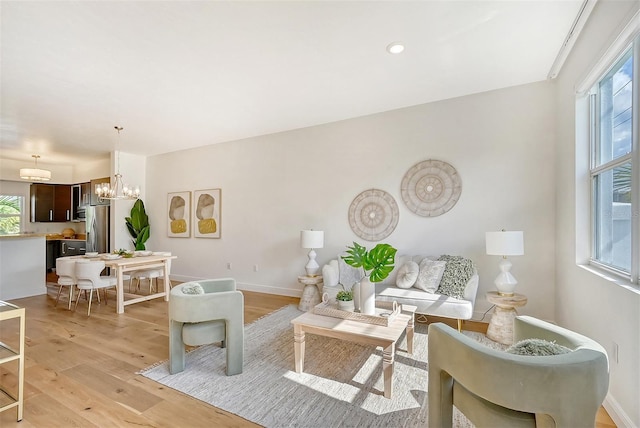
138,225
378,262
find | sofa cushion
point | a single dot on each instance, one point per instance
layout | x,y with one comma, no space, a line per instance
537,348
430,275
456,274
349,275
407,275
437,305
331,274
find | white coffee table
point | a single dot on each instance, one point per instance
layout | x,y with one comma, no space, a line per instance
359,332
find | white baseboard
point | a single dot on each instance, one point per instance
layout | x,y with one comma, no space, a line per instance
258,288
269,290
620,418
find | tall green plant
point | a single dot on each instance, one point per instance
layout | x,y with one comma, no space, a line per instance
138,225
379,260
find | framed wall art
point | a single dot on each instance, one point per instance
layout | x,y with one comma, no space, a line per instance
207,213
373,215
179,214
431,188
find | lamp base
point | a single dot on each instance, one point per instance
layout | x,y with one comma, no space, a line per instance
312,268
505,282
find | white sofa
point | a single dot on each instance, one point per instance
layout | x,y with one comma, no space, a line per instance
337,276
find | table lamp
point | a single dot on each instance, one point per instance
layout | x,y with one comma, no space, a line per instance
312,239
505,243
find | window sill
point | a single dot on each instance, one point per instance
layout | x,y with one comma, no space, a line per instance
612,278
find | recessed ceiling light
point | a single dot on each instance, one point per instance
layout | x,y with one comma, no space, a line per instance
395,47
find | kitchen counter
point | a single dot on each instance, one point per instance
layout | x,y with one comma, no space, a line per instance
58,237
22,236
22,265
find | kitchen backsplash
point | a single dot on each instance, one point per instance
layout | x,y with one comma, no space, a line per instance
53,227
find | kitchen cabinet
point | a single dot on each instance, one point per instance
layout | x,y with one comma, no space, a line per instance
53,251
50,202
72,247
13,353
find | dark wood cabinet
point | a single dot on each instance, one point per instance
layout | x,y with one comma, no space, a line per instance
42,202
62,203
72,247
50,202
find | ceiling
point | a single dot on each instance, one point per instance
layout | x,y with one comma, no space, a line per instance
178,74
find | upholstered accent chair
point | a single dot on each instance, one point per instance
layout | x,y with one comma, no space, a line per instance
493,388
203,312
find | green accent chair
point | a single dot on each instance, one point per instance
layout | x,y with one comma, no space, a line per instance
203,312
494,388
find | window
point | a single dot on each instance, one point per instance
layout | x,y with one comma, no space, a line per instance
11,214
614,158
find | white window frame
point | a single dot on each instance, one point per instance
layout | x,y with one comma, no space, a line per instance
21,215
633,43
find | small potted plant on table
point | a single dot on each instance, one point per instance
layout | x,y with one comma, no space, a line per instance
345,300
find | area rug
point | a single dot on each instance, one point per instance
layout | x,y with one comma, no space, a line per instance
342,384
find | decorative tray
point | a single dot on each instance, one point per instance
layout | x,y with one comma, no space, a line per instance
383,316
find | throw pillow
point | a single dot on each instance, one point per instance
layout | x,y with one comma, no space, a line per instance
330,274
192,289
537,348
430,275
407,275
397,264
456,274
349,275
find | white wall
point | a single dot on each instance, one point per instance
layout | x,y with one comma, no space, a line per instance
60,174
87,170
585,302
133,170
500,142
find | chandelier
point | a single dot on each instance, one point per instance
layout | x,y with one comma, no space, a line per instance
117,189
35,174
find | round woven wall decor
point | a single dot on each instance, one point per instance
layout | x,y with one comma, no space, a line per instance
373,215
431,188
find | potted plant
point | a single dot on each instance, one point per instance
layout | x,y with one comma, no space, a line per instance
345,300
138,225
376,264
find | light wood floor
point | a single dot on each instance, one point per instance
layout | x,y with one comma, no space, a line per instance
80,371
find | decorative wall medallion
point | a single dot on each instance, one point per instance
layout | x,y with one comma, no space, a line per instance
373,215
431,188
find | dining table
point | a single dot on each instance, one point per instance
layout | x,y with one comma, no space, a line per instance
122,265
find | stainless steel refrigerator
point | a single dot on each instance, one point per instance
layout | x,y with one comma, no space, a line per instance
97,228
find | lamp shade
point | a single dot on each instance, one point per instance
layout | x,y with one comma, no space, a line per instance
311,238
35,174
505,243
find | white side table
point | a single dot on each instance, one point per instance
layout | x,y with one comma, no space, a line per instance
501,324
310,293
